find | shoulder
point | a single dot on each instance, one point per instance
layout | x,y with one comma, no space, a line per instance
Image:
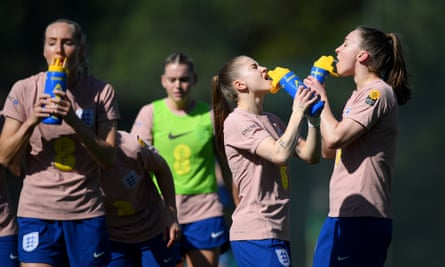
273,117
128,143
93,84
240,120
379,92
28,81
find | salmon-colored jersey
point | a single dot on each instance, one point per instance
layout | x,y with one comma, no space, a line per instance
61,178
135,210
263,210
8,225
360,184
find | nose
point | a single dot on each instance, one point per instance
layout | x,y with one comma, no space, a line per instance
263,69
337,49
59,48
177,83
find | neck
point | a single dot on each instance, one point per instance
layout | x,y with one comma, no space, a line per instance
180,107
252,104
363,78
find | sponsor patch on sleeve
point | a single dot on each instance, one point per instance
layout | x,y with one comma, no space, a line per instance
374,94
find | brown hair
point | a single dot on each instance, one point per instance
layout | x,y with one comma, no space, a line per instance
224,97
181,58
80,39
386,60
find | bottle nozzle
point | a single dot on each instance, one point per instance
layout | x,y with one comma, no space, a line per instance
58,64
276,76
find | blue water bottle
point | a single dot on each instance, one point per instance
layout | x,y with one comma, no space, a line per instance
289,81
56,77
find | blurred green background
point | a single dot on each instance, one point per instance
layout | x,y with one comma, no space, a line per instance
129,40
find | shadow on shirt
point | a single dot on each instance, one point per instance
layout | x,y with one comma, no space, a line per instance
357,205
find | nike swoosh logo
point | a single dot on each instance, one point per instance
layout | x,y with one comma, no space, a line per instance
217,234
167,260
342,258
97,255
174,136
12,257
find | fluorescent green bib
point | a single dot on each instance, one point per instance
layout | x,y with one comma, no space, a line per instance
186,143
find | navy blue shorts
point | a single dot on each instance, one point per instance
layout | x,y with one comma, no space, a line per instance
204,234
77,242
267,252
153,253
8,251
360,241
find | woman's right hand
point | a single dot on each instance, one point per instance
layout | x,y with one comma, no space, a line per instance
303,99
42,109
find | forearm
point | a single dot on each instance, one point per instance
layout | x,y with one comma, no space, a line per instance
328,126
14,139
167,188
100,146
310,149
286,144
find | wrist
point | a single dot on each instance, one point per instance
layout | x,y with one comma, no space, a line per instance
313,122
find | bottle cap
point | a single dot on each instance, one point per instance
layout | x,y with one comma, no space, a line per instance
326,63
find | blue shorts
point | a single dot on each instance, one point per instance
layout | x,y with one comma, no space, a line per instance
153,252
204,234
360,241
77,242
8,251
267,252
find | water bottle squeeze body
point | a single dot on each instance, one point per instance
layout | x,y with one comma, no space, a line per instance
290,82
56,78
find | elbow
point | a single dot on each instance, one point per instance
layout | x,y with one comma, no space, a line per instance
312,158
280,159
14,167
331,143
15,170
328,154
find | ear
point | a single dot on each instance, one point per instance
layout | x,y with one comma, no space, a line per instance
362,56
163,81
239,85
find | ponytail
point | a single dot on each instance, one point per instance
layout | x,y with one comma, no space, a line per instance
221,110
387,60
397,77
224,98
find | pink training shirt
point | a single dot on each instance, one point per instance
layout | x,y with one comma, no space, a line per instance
8,224
135,211
360,184
263,211
61,179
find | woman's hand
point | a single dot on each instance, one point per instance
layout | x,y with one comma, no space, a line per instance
60,106
303,99
316,86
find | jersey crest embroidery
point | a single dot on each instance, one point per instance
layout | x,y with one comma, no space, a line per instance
130,180
86,115
30,241
283,257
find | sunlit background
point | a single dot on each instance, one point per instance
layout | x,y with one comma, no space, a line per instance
129,40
